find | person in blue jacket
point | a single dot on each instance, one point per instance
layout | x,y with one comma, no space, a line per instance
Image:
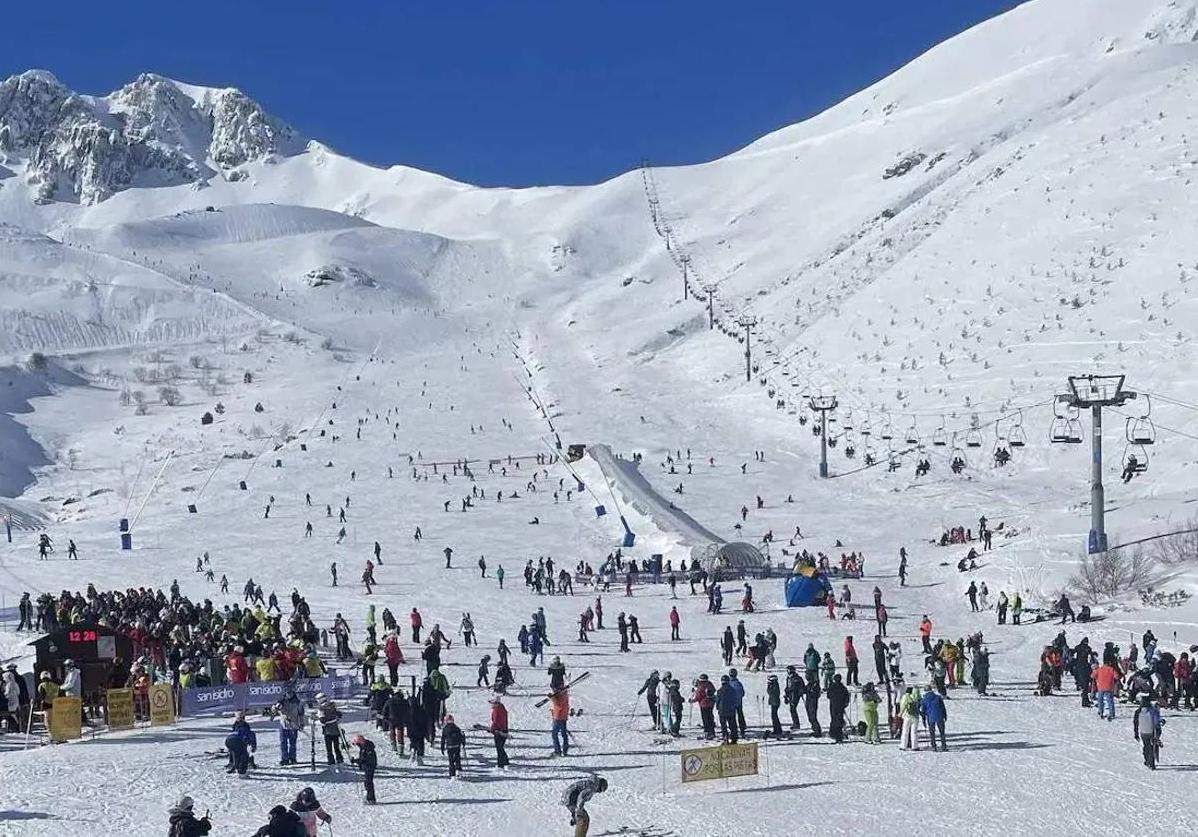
240,743
935,713
739,688
725,707
1146,724
535,648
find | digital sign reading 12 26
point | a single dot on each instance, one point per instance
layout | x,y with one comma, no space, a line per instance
81,636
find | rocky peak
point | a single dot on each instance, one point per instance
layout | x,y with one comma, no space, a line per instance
151,132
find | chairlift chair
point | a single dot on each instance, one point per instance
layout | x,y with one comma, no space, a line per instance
1017,438
887,430
913,434
1141,431
1065,431
973,439
940,436
1135,460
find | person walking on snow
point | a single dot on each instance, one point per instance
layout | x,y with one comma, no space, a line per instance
576,797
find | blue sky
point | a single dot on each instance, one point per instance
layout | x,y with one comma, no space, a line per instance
512,92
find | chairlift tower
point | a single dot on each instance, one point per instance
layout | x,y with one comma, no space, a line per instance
710,289
686,287
823,404
1095,392
747,321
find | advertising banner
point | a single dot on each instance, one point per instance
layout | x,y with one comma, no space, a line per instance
214,700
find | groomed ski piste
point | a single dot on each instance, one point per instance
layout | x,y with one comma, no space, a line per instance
449,323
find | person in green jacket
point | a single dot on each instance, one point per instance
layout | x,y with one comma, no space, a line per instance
869,711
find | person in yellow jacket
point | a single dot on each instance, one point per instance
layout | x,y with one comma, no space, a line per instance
313,666
948,654
47,690
265,667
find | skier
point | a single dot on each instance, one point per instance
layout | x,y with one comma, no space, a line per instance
291,720
282,823
909,711
467,630
674,705
1146,723
183,822
448,557
704,695
727,644
499,731
576,797
395,716
72,551
793,692
649,690
675,621
394,656
869,711
330,725
838,702
774,697
972,594
453,740
417,622
307,807
725,705
851,663
738,689
559,713
418,727
935,713
239,744
484,672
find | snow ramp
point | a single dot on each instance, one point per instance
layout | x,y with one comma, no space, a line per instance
633,492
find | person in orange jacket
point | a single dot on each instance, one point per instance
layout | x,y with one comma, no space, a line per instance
1106,683
925,633
559,712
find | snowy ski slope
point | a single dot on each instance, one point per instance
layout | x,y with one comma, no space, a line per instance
938,251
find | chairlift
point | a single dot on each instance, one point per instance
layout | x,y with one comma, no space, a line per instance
973,439
912,433
802,419
940,435
1016,437
1135,461
957,460
1066,425
865,429
1141,430
848,420
887,430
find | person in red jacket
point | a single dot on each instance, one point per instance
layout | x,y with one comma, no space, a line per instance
499,730
850,663
1183,672
394,656
925,633
237,668
704,695
417,623
675,621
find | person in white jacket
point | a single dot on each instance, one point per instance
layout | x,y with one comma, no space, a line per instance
72,685
12,698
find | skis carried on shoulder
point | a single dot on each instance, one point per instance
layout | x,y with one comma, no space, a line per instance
564,688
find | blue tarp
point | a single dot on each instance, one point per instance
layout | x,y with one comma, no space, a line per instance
802,591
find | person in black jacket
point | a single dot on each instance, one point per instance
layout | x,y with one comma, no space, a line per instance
452,742
811,700
417,729
838,702
283,823
396,714
368,760
773,694
183,820
794,691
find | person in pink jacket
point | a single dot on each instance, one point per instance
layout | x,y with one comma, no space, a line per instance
394,656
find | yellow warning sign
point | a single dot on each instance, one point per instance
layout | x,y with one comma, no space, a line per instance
723,762
66,719
162,705
120,708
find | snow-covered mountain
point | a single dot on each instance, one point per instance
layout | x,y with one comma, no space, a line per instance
151,132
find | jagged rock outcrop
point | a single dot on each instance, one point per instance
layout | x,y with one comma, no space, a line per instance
151,132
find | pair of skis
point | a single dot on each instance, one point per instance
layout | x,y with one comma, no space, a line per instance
564,688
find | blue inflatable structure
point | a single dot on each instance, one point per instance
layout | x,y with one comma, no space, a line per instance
807,590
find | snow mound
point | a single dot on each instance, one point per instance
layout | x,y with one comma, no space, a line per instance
335,273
